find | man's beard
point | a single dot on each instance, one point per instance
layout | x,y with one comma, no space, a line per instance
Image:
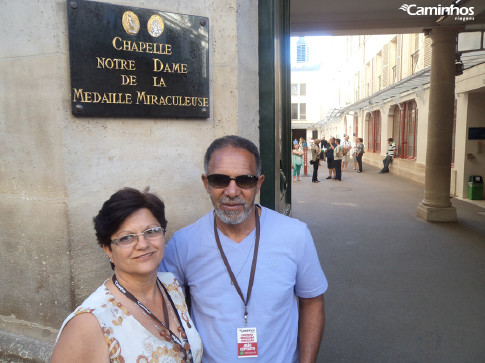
232,217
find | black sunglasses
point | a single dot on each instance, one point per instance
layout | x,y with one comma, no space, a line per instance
242,181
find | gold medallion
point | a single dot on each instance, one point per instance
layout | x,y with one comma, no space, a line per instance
155,26
131,24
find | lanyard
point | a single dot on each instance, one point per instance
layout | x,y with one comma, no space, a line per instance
170,335
253,266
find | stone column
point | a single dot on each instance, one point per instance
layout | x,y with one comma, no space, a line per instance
436,205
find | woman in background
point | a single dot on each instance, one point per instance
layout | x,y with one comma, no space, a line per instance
297,161
337,160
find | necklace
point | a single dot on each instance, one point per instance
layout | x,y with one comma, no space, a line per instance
180,344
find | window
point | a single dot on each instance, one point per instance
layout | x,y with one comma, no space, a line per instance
302,111
405,126
303,89
356,125
301,51
374,132
294,111
298,89
414,61
298,111
356,86
471,41
393,60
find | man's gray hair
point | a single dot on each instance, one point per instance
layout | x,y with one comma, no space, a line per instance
237,142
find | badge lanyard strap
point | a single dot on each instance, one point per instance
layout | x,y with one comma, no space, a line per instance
253,266
130,296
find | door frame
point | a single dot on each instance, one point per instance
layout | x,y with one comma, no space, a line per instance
275,103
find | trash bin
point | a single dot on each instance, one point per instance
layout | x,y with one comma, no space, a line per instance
475,187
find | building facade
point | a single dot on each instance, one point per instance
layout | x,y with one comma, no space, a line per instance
384,93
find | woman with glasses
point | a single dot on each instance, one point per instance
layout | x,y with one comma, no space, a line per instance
138,315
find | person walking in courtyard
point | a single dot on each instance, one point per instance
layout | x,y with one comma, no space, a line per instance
329,153
302,143
315,160
354,148
359,152
337,160
347,146
297,161
391,150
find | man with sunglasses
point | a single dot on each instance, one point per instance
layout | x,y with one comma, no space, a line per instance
254,277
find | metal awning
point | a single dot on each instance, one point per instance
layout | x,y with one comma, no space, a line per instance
298,126
413,83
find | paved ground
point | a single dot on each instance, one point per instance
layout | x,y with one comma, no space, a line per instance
400,289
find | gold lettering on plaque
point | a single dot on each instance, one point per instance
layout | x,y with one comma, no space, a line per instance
158,66
95,97
141,47
128,80
158,82
115,63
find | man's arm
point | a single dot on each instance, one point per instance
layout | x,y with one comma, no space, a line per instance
310,327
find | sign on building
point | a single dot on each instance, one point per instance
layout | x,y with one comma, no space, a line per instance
134,62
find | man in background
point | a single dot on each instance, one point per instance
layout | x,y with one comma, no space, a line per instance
391,150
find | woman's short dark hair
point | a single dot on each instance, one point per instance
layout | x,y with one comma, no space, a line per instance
120,206
338,141
236,142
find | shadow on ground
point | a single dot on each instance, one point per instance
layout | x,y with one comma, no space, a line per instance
400,289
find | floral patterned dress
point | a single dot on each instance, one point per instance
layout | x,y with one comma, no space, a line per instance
126,338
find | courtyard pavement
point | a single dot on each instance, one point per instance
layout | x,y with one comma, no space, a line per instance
400,289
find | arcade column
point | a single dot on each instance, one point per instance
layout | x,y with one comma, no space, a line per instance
436,205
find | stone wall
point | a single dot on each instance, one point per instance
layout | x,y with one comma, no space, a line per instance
57,169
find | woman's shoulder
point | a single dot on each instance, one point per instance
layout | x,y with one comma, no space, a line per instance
81,340
80,337
168,278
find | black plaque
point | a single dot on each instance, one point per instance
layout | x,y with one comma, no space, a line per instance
133,62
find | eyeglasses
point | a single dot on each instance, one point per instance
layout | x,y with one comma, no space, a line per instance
242,181
149,234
